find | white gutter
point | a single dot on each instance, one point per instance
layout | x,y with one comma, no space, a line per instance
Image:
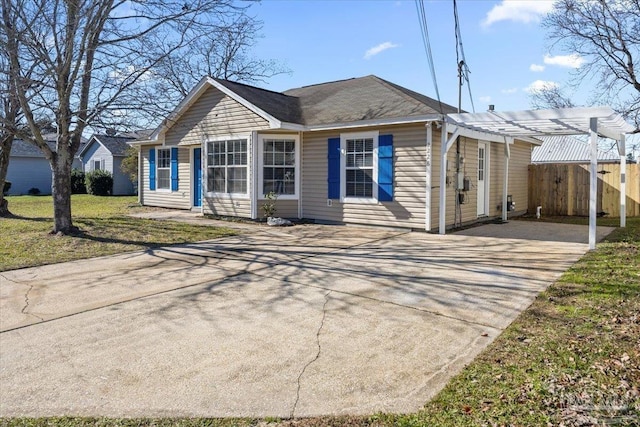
375,122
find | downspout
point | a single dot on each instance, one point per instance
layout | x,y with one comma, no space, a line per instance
427,177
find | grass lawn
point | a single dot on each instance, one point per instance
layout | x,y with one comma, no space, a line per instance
571,359
105,229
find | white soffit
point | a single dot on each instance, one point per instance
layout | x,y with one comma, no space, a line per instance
532,123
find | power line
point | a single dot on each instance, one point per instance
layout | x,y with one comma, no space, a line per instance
422,18
463,69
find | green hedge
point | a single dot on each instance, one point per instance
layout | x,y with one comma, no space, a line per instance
99,183
77,182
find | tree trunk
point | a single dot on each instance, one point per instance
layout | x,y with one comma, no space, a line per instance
61,190
5,151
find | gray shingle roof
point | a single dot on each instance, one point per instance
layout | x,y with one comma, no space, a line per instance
21,148
117,145
364,98
354,100
566,149
281,106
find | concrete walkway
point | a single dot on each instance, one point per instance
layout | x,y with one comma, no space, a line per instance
302,321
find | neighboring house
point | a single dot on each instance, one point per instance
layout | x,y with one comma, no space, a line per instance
362,150
106,152
29,169
567,149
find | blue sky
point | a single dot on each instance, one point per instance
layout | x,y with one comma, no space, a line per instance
505,47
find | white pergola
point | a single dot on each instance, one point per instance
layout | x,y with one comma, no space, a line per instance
504,127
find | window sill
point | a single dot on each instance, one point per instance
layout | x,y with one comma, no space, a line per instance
229,196
280,197
359,200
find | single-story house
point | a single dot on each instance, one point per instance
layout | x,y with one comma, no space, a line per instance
29,169
362,150
106,152
568,149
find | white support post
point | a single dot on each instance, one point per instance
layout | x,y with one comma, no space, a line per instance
427,177
623,181
443,179
505,183
593,180
253,181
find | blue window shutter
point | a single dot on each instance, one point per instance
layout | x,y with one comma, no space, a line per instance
152,169
333,170
174,169
385,168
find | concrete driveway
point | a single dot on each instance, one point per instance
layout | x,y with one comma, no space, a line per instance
303,321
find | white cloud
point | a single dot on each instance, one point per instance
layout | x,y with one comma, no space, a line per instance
536,68
485,99
378,49
509,91
539,85
525,11
570,61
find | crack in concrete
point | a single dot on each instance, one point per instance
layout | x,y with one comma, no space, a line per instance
410,307
166,291
12,281
26,305
324,315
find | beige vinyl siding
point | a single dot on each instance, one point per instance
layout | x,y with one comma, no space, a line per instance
408,205
213,114
227,206
518,175
284,208
468,210
520,158
180,199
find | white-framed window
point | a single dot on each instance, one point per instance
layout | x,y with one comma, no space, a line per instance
359,167
279,159
163,169
227,166
97,165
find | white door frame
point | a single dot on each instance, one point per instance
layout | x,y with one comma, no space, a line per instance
483,202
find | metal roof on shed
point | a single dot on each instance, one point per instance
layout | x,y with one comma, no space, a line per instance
567,149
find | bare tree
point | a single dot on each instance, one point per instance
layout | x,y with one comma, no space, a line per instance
550,96
225,54
90,62
8,123
606,33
